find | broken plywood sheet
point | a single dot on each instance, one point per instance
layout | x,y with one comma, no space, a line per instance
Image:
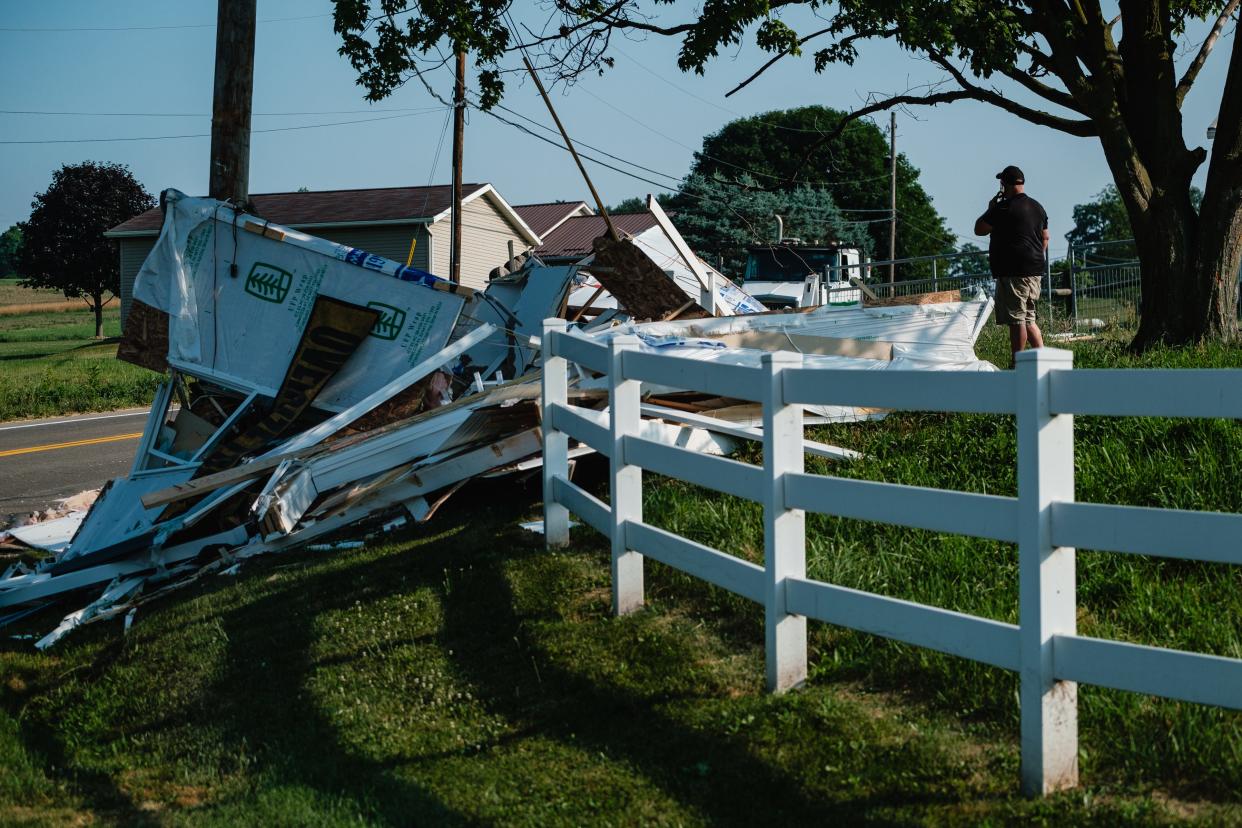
144,340
638,284
936,298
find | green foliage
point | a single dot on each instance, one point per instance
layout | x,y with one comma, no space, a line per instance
791,149
10,249
972,262
63,245
721,218
387,51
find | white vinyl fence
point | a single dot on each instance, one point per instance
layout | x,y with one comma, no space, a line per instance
1043,520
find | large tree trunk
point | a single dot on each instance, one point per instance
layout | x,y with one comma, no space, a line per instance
1190,280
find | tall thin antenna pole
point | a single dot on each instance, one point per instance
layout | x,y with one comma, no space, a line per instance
599,202
459,138
892,195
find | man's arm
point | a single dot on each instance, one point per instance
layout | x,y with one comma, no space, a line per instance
1046,237
983,227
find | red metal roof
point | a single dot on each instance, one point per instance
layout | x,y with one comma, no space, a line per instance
543,218
330,207
573,238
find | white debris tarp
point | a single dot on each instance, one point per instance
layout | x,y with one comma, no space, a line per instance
239,291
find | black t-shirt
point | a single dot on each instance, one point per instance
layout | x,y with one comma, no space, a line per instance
1017,245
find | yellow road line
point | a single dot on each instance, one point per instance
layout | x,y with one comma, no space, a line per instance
71,444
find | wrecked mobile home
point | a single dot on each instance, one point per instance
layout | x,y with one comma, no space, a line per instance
311,387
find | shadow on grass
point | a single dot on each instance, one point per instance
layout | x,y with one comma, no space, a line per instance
265,703
262,704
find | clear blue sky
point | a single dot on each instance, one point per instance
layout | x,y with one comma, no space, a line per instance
156,57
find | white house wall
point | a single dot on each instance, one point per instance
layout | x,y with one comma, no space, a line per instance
485,237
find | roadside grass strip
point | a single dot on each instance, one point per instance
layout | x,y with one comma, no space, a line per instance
51,364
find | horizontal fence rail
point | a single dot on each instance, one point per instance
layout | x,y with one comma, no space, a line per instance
1044,521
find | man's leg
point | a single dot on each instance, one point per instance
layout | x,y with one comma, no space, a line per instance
1034,335
1017,340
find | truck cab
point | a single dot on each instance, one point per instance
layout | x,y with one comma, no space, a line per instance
792,274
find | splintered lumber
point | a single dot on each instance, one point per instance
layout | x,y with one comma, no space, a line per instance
211,482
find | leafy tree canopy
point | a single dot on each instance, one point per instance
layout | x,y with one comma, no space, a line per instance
10,245
790,149
720,218
63,244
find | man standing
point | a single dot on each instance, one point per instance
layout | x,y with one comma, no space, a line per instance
1018,226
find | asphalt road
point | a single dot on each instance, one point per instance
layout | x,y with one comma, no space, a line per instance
42,461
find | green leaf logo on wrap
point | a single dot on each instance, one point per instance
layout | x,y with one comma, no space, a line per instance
268,282
390,323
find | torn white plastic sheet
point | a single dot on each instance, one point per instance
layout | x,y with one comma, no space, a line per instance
239,291
944,332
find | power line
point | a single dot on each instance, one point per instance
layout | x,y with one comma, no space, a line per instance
147,28
208,134
208,114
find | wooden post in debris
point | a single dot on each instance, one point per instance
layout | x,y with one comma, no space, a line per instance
569,145
231,101
1046,580
459,138
892,195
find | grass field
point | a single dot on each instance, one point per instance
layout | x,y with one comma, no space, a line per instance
459,674
51,363
12,293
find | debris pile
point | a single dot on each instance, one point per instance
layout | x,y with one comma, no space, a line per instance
312,386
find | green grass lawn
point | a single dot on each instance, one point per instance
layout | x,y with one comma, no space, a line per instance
50,363
459,674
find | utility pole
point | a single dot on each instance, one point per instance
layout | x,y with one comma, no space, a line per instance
231,101
459,137
892,194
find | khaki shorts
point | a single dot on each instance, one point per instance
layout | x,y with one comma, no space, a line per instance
1015,299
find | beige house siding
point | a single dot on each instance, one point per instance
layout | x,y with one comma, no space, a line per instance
391,242
485,237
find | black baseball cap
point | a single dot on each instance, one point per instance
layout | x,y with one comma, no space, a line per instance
1011,175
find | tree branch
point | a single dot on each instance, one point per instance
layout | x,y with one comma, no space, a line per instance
1084,129
843,42
1192,71
773,60
1043,90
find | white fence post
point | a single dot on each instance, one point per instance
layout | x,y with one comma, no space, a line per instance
1046,577
555,443
625,415
784,529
